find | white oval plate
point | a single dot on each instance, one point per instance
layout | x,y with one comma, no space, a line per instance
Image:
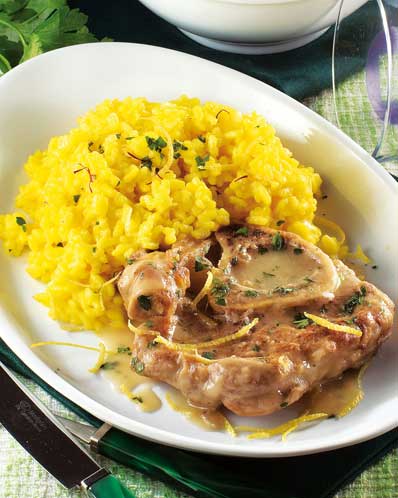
44,96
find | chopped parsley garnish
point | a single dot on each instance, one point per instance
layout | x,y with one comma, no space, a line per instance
242,231
200,264
152,344
21,222
324,197
137,365
202,139
278,242
284,404
201,161
301,321
234,261
156,144
251,293
109,365
283,290
94,249
280,222
124,349
355,300
90,144
262,249
138,399
76,198
298,250
308,280
101,149
256,348
374,267
130,261
145,302
60,244
129,138
97,222
210,355
146,162
220,290
177,146
149,324
118,135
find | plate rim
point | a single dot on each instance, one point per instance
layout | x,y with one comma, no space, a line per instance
140,429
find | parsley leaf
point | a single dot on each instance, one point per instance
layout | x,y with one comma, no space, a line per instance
156,144
201,162
242,231
210,355
200,264
278,242
356,299
138,366
31,27
251,293
21,222
220,290
301,321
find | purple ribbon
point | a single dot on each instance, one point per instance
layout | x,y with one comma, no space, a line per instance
376,50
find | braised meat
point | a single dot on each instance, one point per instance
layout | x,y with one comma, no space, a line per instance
271,275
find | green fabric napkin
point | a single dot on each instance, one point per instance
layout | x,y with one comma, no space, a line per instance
299,73
312,476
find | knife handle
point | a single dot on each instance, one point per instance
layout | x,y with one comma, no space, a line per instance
109,487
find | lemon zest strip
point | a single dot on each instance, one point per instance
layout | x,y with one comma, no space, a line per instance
139,330
108,282
101,350
126,391
205,289
229,427
202,345
359,397
331,225
359,254
100,360
71,344
333,326
283,429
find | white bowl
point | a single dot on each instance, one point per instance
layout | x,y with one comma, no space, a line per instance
43,97
252,26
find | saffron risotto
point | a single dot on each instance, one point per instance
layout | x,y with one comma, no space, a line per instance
141,175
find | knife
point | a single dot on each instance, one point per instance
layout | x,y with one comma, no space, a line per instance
40,433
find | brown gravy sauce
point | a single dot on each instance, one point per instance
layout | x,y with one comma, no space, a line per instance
210,420
334,397
275,269
122,376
